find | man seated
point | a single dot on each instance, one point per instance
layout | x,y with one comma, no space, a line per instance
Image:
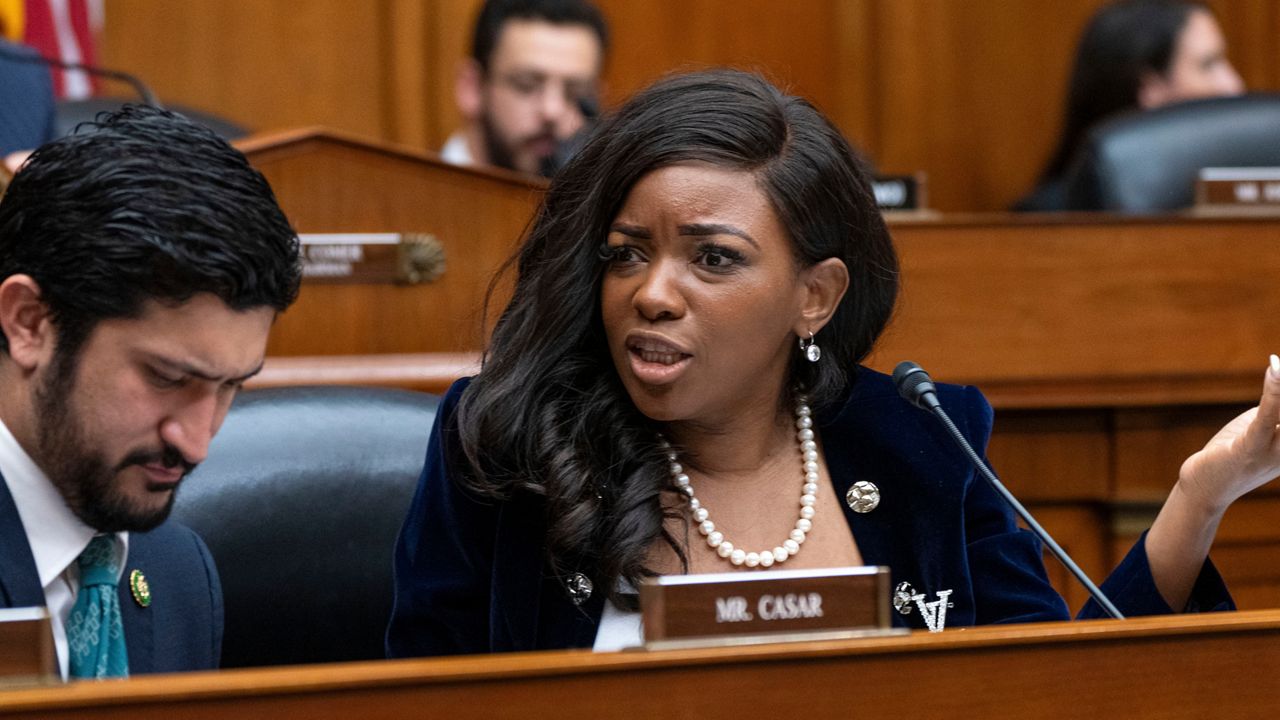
533,64
141,266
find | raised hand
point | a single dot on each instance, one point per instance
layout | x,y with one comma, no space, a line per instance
1243,455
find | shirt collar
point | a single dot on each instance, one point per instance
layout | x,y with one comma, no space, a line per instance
55,534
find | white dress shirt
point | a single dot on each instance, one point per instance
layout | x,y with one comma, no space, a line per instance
55,534
456,151
618,630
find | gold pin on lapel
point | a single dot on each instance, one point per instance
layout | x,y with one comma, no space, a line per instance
140,589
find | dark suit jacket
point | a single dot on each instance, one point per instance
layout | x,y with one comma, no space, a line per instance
26,101
470,575
182,628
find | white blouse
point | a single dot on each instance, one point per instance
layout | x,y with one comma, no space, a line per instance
619,629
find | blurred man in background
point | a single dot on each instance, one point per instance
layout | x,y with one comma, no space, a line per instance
534,65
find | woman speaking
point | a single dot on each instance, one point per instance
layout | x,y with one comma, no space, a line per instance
674,387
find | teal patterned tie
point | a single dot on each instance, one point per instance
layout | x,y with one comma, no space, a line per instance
95,634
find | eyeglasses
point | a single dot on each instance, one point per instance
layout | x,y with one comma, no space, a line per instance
535,86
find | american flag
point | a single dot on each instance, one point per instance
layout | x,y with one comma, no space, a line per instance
62,29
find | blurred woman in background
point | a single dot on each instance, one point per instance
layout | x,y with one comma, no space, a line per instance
1135,54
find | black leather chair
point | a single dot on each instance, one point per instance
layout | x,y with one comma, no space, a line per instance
70,113
300,502
1147,162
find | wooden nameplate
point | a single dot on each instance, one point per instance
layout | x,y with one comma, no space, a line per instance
767,606
371,258
27,655
901,192
1238,189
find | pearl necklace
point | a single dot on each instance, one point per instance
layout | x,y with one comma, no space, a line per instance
808,498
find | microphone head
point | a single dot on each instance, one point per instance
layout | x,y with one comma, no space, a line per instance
589,106
570,146
915,386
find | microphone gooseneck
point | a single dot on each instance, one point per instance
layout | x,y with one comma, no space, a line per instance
589,107
133,81
916,387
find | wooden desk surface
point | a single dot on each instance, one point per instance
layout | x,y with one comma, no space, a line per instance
1172,667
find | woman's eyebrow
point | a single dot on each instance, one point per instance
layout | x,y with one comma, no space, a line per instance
717,229
634,231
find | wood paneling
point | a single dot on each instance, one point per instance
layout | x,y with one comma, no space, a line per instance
1000,299
1247,546
1251,28
328,182
968,92
264,63
1077,529
409,59
1053,456
1152,443
448,44
795,44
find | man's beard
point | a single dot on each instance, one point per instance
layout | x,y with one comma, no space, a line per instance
81,474
500,154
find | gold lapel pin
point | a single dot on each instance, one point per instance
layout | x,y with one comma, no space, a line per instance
140,589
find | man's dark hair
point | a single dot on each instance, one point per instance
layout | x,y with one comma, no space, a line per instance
496,13
143,205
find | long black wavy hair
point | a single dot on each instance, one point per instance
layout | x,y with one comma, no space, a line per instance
548,414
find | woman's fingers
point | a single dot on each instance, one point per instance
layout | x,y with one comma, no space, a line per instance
1262,431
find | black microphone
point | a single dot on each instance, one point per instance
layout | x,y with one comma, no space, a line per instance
133,81
566,149
916,387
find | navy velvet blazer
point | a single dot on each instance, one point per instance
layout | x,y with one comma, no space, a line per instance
470,576
181,629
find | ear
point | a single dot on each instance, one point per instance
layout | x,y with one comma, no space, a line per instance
468,89
24,317
1153,91
825,284
13,161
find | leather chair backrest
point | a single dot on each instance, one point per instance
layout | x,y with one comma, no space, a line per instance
300,502
70,113
1147,162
